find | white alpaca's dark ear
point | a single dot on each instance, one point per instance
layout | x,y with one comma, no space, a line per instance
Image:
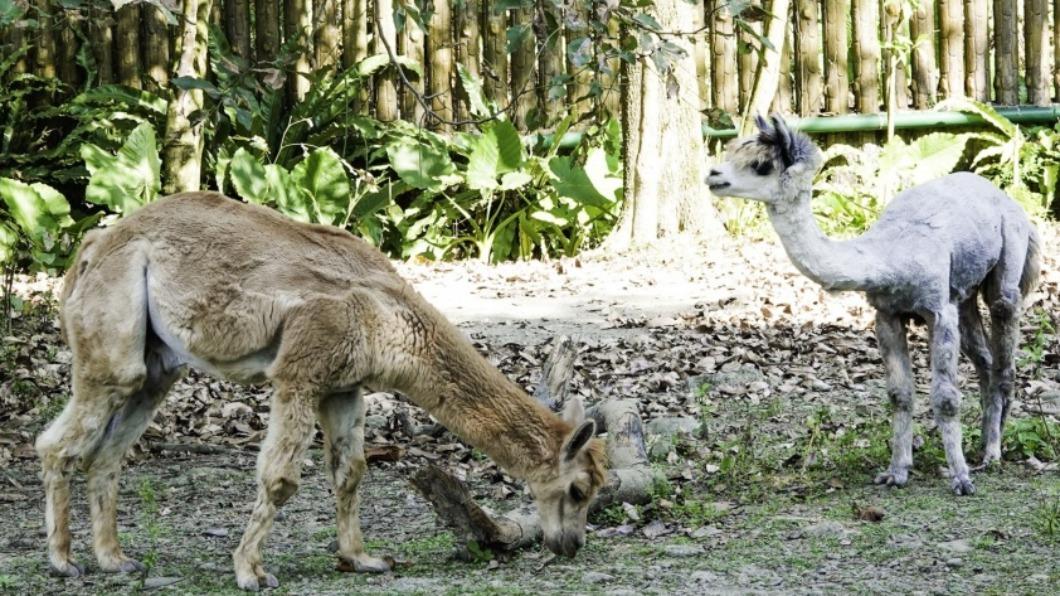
574,412
785,143
761,123
578,439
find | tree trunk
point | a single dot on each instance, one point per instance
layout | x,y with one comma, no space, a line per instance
836,47
101,38
723,64
1035,13
925,72
326,34
466,32
237,26
663,145
976,49
44,55
951,32
69,73
386,104
767,79
866,15
550,66
298,25
494,55
810,84
748,63
440,74
267,30
127,45
524,56
410,44
155,47
182,152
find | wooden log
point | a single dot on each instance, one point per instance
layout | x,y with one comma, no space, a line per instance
723,71
808,71
556,373
976,49
925,71
1039,82
951,49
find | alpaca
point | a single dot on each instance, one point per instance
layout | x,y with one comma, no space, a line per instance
245,294
935,249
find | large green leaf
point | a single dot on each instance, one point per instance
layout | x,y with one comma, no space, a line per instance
8,242
929,157
324,177
496,151
248,177
473,89
984,111
291,199
592,184
128,180
421,165
28,209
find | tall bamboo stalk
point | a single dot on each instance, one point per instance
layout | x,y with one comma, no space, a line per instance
723,70
327,34
298,24
410,45
1006,52
440,73
127,45
810,82
266,29
44,55
748,62
524,59
836,46
976,49
951,51
578,101
784,100
866,15
386,103
355,42
237,26
550,64
1035,23
494,54
182,149
925,72
69,72
468,52
101,37
1056,70
767,79
155,43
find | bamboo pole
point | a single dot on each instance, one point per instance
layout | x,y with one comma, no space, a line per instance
468,52
976,49
494,54
747,59
925,71
44,51
810,82
298,25
836,46
524,58
182,150
550,64
866,15
237,26
327,34
410,45
266,30
67,47
1006,52
127,45
386,102
951,51
155,47
723,60
767,79
1035,23
578,102
355,43
440,73
1056,71
784,100
701,48
101,38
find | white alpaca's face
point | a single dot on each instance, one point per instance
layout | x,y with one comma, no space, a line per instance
750,171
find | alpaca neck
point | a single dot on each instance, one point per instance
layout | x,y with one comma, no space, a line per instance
834,264
476,402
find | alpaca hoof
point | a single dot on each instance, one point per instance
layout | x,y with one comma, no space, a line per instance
991,458
66,569
890,477
254,583
122,565
363,564
962,486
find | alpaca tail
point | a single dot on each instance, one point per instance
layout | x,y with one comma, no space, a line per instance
1032,266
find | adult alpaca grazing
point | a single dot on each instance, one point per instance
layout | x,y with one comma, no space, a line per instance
934,250
245,294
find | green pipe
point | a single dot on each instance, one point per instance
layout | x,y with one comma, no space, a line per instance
872,122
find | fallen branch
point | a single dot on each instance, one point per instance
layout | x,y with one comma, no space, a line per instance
556,373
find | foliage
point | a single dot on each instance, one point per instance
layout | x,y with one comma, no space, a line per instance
127,180
1035,436
36,229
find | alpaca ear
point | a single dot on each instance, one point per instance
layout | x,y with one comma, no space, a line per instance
578,439
761,123
784,140
574,412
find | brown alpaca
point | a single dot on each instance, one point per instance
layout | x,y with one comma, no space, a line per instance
245,294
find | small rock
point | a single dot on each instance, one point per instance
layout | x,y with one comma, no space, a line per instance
682,550
631,511
954,563
216,532
152,583
655,529
705,531
956,546
668,426
826,529
375,421
595,577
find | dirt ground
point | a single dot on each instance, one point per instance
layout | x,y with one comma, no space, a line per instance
778,383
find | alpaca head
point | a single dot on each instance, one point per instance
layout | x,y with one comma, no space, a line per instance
771,166
564,491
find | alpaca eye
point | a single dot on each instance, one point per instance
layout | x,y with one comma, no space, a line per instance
576,494
762,168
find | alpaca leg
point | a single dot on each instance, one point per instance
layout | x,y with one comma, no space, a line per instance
104,464
342,418
974,345
279,470
945,395
894,348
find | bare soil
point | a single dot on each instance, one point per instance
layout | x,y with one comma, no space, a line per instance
771,493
